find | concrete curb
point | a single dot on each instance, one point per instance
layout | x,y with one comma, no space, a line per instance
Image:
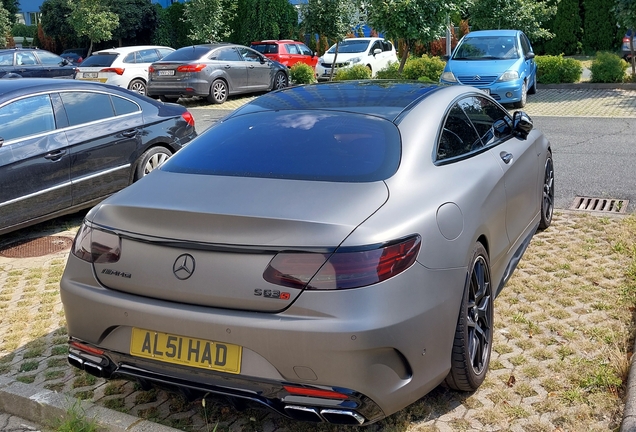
629,413
46,407
589,86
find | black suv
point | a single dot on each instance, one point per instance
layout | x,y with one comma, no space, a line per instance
34,63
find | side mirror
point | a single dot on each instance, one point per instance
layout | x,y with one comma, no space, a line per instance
521,124
377,51
314,54
529,56
1,141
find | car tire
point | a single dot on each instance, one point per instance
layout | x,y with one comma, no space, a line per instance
524,96
218,92
547,195
138,86
280,81
533,89
472,344
150,160
172,99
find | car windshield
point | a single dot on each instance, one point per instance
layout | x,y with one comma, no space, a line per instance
350,46
487,48
187,53
265,48
300,145
100,60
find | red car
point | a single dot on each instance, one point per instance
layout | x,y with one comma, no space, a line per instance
287,52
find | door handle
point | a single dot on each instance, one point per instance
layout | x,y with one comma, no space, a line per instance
227,66
55,155
506,157
251,66
129,133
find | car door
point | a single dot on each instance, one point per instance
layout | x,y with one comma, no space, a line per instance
232,67
27,66
53,66
258,69
34,161
376,60
517,158
104,135
529,64
307,55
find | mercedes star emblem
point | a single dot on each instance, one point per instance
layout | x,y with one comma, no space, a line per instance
183,266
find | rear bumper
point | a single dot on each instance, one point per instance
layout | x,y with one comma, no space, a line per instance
385,345
187,88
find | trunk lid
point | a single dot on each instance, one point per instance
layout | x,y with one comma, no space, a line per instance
223,232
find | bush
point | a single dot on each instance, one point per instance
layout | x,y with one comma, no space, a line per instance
389,72
302,73
355,72
24,30
557,70
608,68
425,66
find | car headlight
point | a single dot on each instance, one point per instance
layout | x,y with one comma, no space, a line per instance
321,59
509,75
448,76
355,60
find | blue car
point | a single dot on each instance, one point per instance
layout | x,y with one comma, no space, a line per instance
499,62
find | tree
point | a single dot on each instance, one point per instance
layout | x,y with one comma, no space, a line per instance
94,20
137,20
5,26
332,19
211,20
264,19
525,15
599,25
55,22
625,11
412,20
567,29
13,9
172,29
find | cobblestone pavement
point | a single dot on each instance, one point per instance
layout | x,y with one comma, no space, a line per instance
551,368
560,102
9,423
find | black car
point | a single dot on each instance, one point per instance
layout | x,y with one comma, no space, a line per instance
34,63
66,145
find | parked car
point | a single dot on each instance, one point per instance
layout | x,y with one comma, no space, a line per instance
331,251
66,145
75,55
375,53
214,71
33,63
499,62
124,67
625,51
286,51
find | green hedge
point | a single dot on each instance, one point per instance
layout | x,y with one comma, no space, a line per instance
355,72
608,68
302,73
557,69
425,68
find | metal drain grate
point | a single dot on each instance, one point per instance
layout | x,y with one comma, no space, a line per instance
600,205
36,247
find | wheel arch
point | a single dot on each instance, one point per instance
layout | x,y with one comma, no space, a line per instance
140,153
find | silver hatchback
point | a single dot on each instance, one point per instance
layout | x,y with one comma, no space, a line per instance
214,71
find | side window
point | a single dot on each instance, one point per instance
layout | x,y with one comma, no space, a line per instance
84,107
6,59
386,46
249,55
147,56
123,106
525,44
163,52
458,135
48,58
292,49
304,49
130,58
26,59
376,45
28,116
483,113
225,54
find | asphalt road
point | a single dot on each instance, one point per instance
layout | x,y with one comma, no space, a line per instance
593,156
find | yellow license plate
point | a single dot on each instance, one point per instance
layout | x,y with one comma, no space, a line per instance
185,351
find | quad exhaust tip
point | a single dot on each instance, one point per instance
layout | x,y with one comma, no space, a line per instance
335,416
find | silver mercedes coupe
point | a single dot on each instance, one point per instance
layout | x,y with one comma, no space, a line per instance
331,251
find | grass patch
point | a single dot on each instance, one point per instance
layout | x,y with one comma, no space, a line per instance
84,380
117,404
52,375
29,366
59,350
27,379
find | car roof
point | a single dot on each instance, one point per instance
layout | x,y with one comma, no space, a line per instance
276,41
11,87
126,50
365,38
492,33
365,97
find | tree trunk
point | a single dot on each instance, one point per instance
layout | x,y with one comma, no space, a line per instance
631,52
405,55
335,57
90,49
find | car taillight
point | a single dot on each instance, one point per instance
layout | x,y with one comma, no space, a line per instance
118,71
151,69
187,116
96,246
191,68
342,270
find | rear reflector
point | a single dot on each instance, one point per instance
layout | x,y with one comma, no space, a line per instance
118,71
342,270
302,391
86,348
191,67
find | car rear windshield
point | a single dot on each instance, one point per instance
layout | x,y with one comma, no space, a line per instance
300,145
187,53
100,60
265,48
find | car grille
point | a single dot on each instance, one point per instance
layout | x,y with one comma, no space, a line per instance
477,80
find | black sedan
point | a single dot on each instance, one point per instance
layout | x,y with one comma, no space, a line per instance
214,71
34,63
66,145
